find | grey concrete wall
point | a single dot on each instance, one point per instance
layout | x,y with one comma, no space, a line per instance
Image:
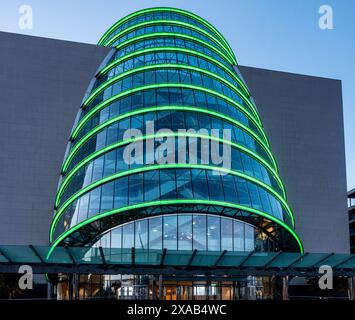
42,82
303,119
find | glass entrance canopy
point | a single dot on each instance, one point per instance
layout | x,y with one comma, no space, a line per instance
141,261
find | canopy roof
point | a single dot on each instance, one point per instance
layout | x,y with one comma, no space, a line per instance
171,262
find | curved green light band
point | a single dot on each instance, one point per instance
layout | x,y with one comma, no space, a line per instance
92,132
178,108
186,13
121,143
234,88
174,35
98,183
174,49
175,202
103,104
141,138
177,134
185,25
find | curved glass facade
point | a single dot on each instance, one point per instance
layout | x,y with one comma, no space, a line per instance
173,69
187,232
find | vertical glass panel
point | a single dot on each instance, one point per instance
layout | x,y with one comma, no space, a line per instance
110,163
229,188
215,186
249,238
94,205
227,234
238,232
83,208
121,164
121,193
188,97
243,191
199,232
151,186
136,189
88,174
116,238
149,98
254,195
184,186
105,241
199,184
107,196
167,184
141,234
162,97
170,232
185,232
213,233
98,169
128,235
248,168
155,233
112,134
265,200
73,220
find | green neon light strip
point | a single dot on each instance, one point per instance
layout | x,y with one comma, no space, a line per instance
167,166
88,188
121,143
234,88
186,13
185,25
174,35
175,49
175,134
179,108
174,202
91,133
103,104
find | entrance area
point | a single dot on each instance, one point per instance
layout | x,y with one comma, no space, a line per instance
156,287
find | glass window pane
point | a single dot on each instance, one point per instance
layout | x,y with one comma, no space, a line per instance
94,205
136,189
199,232
107,196
121,193
128,235
141,234
116,238
170,232
249,238
238,235
227,234
213,233
155,233
185,232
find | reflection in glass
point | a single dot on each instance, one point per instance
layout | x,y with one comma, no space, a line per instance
170,232
155,233
213,233
199,232
185,232
202,232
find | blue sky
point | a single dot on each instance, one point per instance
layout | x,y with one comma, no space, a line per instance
273,34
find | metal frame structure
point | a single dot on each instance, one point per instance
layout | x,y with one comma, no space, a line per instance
85,260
